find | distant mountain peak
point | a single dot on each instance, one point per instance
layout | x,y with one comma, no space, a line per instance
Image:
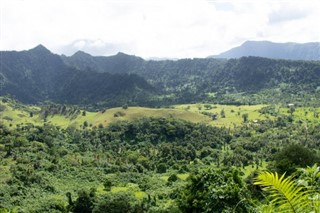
80,53
268,49
121,54
40,49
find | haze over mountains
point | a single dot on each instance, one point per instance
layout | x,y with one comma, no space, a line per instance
267,49
38,75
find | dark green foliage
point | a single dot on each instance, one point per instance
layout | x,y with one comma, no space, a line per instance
270,110
107,184
85,124
162,168
84,202
233,81
38,75
215,191
222,113
173,178
293,156
118,203
245,117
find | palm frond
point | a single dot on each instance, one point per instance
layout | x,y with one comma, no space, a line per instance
286,195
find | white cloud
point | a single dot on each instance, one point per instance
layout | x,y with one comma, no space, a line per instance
154,28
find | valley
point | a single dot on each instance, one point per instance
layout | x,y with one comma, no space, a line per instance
94,134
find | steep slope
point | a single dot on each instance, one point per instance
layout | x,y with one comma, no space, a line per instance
38,75
32,75
192,80
292,51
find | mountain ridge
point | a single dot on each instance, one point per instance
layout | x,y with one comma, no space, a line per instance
268,49
100,81
38,75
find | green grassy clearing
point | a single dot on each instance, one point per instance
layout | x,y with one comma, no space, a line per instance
233,114
13,114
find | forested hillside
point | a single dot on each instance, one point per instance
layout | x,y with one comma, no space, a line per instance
242,81
38,75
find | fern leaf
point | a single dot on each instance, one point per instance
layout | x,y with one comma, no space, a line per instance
286,195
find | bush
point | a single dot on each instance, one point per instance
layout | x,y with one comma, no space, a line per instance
119,114
292,157
117,203
161,168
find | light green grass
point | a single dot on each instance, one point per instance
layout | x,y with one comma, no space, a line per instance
97,118
132,113
233,114
188,112
183,176
164,177
115,189
303,114
129,188
12,116
140,194
137,112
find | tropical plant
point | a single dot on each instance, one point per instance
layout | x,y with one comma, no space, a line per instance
286,195
310,178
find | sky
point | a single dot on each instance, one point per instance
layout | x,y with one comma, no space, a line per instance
154,28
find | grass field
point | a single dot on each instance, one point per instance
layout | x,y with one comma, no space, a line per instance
13,114
233,114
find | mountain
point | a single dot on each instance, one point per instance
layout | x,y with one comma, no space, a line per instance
38,75
267,49
120,63
235,81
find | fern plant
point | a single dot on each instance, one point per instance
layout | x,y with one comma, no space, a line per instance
286,195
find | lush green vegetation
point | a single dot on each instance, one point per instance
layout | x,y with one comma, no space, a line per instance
248,80
152,164
88,145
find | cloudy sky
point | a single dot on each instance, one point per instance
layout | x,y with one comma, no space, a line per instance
154,28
